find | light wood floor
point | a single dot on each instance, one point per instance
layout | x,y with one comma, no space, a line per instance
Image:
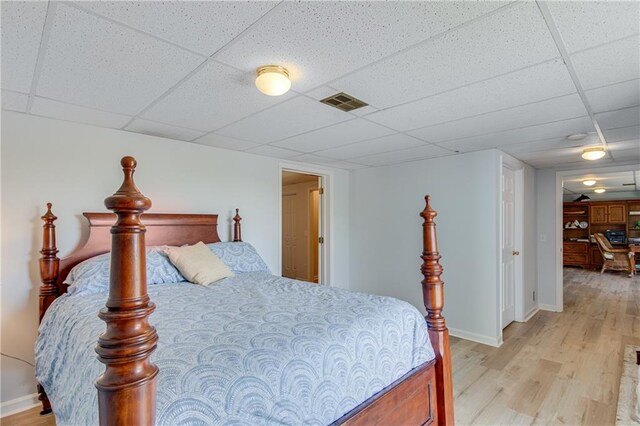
558,368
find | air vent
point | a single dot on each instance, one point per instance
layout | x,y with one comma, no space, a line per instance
344,102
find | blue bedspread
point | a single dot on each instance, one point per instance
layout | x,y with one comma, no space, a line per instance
254,349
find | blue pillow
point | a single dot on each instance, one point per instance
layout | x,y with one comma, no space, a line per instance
239,257
92,275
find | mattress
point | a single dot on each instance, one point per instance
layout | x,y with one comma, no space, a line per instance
254,349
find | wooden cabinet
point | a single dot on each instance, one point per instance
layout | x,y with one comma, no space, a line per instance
596,257
598,214
602,216
575,254
617,213
608,213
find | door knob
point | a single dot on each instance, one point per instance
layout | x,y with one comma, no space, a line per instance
516,253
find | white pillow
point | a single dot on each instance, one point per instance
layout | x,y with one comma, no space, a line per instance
198,264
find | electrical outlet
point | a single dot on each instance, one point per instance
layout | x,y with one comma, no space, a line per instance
534,295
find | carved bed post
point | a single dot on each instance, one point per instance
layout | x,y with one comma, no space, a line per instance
127,388
237,233
49,267
433,295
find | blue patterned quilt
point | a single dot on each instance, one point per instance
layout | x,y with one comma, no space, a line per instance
254,349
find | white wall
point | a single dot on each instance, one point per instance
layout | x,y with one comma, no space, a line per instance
77,166
386,235
546,205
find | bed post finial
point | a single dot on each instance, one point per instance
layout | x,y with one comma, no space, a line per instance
433,296
49,267
127,388
237,232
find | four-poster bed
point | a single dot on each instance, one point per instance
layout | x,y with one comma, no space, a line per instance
127,388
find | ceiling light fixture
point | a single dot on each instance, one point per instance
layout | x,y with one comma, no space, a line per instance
589,182
599,190
273,80
593,153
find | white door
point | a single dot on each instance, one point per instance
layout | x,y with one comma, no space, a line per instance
509,250
289,236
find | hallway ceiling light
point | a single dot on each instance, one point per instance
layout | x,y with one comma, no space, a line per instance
273,80
593,153
599,190
589,182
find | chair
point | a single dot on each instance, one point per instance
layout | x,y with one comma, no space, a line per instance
616,259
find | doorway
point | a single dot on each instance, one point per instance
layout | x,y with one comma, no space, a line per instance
302,226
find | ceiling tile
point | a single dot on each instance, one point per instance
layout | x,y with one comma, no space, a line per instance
198,25
273,151
163,130
320,41
14,101
366,110
611,181
585,24
311,158
620,118
328,162
622,134
609,63
339,134
226,142
289,118
532,84
62,111
101,65
22,24
616,96
561,108
540,145
556,129
512,38
411,154
554,157
373,146
322,92
215,96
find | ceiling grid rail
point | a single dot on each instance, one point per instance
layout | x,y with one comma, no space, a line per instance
557,38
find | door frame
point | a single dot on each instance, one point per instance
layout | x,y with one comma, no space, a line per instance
325,272
560,174
518,170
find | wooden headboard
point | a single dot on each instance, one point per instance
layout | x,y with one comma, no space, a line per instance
174,229
162,229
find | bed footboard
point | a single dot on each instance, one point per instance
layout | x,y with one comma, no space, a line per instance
127,388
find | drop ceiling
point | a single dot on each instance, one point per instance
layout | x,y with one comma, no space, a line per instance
627,181
440,78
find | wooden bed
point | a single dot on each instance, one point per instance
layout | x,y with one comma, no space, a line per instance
127,388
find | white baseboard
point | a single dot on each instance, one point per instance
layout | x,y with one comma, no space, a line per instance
17,405
552,308
475,337
531,313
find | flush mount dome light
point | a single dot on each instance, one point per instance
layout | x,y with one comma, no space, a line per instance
599,190
273,80
589,182
593,153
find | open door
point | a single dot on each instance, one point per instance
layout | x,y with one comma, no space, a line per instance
301,226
